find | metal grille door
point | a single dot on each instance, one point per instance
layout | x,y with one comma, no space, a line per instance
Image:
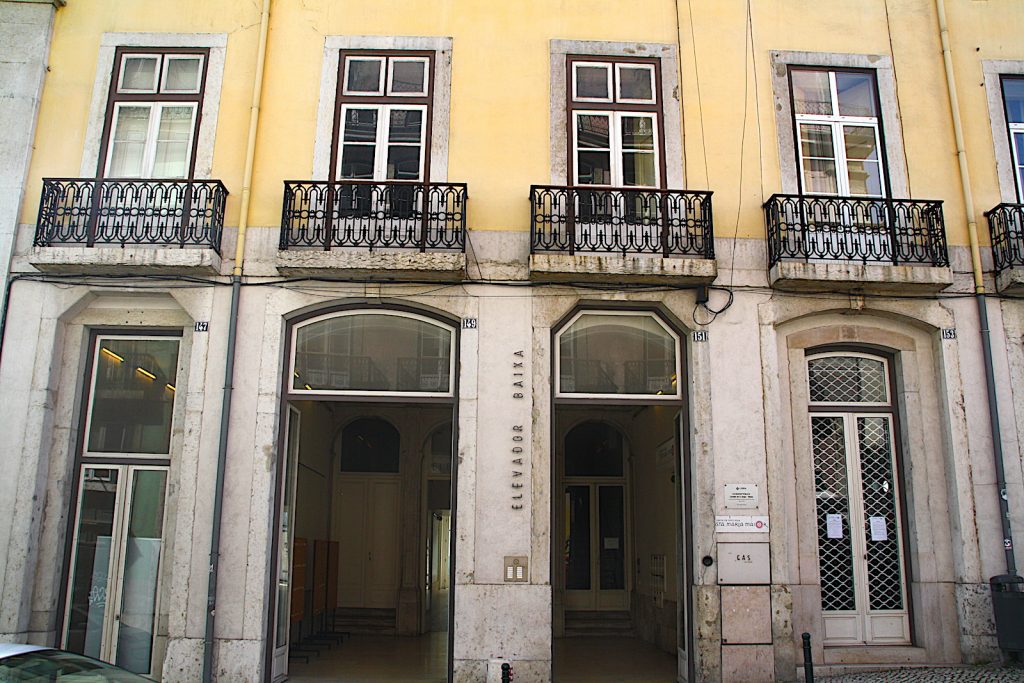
859,530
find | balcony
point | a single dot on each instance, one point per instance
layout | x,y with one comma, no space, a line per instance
115,225
364,228
824,242
626,235
1006,227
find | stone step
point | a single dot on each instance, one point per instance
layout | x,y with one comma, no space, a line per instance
365,620
579,623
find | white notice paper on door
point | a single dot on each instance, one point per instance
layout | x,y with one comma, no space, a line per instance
878,532
834,526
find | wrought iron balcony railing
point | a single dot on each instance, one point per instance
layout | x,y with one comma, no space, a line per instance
371,214
1006,226
855,229
119,211
624,221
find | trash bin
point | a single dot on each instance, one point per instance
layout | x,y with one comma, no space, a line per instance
1008,605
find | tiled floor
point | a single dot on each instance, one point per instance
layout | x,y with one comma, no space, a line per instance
369,659
611,660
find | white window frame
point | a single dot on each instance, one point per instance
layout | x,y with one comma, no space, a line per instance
381,76
607,66
626,397
382,142
152,133
837,123
362,392
619,66
616,151
391,76
178,371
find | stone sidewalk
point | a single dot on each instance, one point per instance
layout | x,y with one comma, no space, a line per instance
960,674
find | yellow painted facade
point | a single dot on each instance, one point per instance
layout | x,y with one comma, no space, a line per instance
499,141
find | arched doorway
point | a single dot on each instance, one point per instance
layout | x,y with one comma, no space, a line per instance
364,389
620,547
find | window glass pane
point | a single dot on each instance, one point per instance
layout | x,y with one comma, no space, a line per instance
592,82
357,162
862,164
1018,139
636,83
139,73
637,132
371,352
638,169
406,125
364,75
1013,97
87,604
865,178
856,93
617,354
594,168
593,449
172,142
370,444
403,162
816,141
811,92
847,379
141,564
360,125
577,537
182,74
407,76
133,396
128,150
592,130
860,143
820,176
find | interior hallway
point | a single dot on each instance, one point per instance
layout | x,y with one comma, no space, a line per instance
370,658
610,660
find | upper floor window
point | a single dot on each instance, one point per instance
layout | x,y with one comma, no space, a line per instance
153,112
383,116
1013,101
838,132
614,113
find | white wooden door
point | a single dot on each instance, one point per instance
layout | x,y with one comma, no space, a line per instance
286,535
366,515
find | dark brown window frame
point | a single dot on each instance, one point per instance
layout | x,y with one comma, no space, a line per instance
572,105
114,97
341,99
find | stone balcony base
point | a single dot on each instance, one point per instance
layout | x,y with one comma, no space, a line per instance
372,265
873,277
1011,281
641,269
107,260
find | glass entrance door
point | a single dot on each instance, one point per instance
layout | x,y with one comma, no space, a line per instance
595,543
114,585
286,537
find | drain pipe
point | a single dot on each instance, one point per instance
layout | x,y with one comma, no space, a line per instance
979,290
229,365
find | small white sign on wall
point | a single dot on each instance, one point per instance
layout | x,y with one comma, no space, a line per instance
739,496
741,524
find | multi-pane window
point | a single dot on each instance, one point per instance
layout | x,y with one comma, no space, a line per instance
1013,100
383,116
838,132
153,113
614,113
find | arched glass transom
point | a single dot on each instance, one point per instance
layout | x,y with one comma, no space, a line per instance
372,352
593,449
618,354
848,379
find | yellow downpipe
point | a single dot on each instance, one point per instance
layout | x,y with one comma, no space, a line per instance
250,143
961,152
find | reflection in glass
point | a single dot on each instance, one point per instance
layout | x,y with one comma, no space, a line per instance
172,142
820,176
87,604
816,141
638,132
592,82
592,131
407,76
360,125
638,169
373,352
856,91
577,537
617,354
405,125
364,75
182,74
636,83
811,92
403,162
594,168
139,73
140,572
1013,98
129,147
133,395
356,162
